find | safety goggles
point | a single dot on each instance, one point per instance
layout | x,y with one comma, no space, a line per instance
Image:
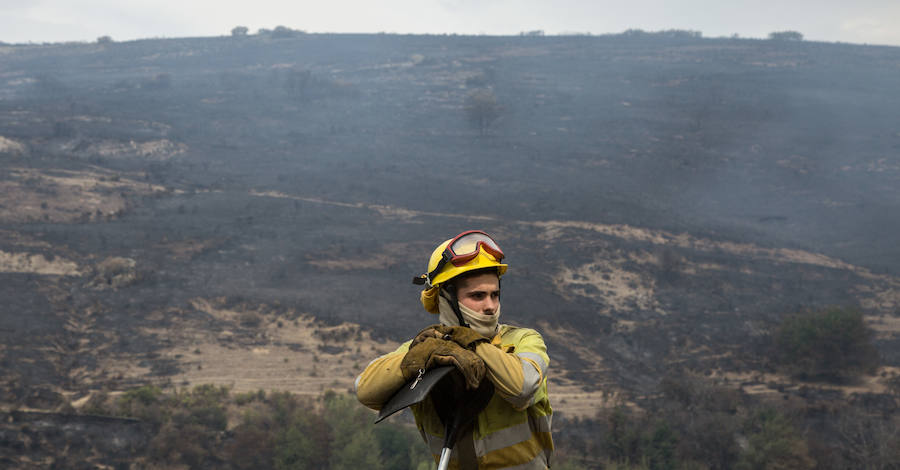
462,249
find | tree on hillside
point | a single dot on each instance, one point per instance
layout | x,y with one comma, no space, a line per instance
832,344
786,36
104,40
239,31
482,109
281,32
353,433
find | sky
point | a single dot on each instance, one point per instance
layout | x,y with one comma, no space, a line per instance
38,21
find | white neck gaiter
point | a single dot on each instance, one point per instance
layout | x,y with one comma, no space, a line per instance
485,325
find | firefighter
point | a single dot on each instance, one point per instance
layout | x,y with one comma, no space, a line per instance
462,287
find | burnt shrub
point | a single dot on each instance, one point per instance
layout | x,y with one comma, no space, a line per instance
831,345
705,415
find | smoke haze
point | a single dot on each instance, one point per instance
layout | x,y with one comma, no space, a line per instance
872,22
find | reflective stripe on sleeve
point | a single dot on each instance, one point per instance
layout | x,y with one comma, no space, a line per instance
541,423
542,365
531,376
533,367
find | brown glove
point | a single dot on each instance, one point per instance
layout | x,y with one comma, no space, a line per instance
432,331
433,352
463,336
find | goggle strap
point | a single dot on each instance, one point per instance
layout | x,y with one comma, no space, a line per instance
434,272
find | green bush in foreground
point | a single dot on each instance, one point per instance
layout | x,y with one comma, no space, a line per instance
774,444
832,345
275,430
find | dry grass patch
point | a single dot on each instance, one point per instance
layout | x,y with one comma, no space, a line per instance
37,264
573,399
271,353
884,326
883,296
553,230
11,146
757,382
30,195
609,283
155,150
572,396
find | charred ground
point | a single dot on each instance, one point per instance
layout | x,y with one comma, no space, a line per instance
664,202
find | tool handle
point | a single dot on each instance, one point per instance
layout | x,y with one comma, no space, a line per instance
445,459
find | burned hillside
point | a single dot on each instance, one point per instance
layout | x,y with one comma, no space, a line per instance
248,211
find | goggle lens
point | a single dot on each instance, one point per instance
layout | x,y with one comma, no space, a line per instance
469,243
466,246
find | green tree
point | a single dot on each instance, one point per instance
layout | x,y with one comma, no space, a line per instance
831,344
773,444
786,36
360,452
281,32
482,109
296,450
144,403
303,437
394,445
353,433
239,31
659,447
253,445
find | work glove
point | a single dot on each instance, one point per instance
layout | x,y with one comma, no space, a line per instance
463,336
433,352
433,331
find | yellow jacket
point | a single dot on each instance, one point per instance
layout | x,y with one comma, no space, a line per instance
512,431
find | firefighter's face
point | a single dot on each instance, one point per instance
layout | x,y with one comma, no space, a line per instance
480,293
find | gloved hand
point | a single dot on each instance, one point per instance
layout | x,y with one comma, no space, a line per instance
463,336
432,331
433,352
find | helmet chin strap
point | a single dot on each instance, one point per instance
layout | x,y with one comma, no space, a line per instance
454,303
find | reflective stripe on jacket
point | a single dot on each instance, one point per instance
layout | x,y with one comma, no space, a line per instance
513,431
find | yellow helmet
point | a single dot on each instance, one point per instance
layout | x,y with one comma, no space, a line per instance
465,252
